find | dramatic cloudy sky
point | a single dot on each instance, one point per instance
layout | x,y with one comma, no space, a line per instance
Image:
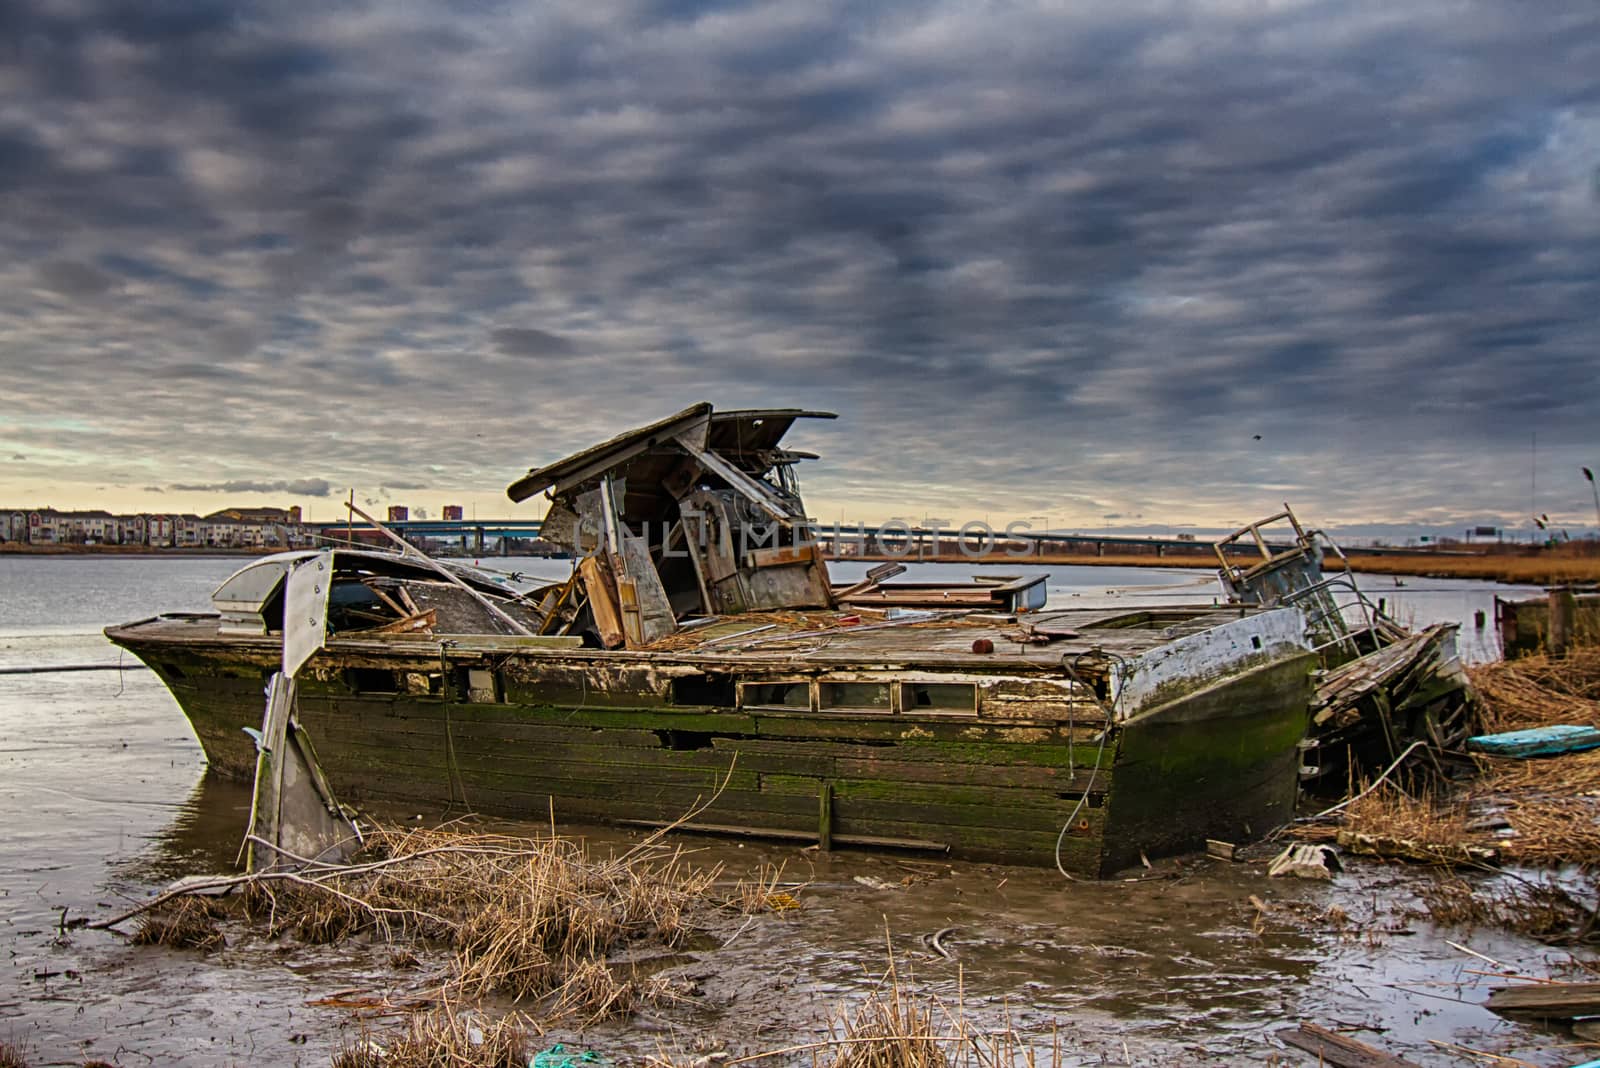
1136,264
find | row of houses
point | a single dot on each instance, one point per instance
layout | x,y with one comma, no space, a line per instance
230,528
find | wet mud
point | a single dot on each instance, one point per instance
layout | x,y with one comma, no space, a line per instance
104,798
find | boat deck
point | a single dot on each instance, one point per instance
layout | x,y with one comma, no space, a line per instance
1035,643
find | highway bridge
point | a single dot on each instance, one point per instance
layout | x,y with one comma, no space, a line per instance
477,535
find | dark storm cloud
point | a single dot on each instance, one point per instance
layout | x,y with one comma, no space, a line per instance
72,279
526,341
1037,258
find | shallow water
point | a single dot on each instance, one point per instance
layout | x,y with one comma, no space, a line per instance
103,798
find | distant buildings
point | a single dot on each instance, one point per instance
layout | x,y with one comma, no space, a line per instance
230,528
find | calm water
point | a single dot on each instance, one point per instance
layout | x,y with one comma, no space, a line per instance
103,797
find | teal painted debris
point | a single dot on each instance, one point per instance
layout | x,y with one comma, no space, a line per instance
559,1056
1537,741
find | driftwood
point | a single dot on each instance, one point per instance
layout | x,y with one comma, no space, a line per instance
1552,1001
1383,845
1341,1051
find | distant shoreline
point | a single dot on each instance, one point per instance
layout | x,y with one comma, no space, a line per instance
128,552
1538,569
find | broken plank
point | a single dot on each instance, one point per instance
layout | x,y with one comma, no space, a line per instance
1341,1051
1553,1001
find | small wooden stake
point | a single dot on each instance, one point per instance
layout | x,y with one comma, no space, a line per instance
1562,608
825,817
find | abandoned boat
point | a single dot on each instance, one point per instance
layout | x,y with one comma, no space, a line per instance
699,663
1384,691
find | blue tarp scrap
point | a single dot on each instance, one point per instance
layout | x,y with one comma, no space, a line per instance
1537,741
559,1056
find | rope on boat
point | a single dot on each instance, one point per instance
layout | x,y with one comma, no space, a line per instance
1111,718
48,669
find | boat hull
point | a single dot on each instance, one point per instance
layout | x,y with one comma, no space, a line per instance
1218,762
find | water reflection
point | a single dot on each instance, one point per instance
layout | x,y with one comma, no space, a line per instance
202,838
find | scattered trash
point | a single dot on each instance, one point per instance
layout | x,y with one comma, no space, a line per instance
1306,862
559,1056
872,882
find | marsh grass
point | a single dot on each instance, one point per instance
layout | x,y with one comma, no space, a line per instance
1542,910
184,923
532,919
445,1037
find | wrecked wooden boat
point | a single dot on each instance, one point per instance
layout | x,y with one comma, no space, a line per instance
698,662
1384,691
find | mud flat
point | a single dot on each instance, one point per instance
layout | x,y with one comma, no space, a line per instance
1195,961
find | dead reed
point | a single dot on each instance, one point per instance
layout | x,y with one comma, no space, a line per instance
531,919
184,923
1542,910
1537,691
443,1038
11,1056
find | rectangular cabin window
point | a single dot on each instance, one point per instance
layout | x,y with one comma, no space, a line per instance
939,698
775,695
854,696
371,680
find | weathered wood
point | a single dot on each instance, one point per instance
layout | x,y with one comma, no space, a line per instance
825,816
860,840
1563,607
1552,1001
603,604
1382,845
1341,1051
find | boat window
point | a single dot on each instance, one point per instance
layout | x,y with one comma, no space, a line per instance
371,680
708,689
952,697
775,694
865,696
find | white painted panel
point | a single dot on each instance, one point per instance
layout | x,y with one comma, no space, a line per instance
1210,655
305,611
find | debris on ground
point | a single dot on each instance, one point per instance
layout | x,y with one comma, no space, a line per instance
1547,1001
1305,862
1340,1051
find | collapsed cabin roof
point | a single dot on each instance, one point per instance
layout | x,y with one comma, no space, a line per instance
746,438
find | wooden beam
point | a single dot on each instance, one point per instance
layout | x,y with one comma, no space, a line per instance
1341,1051
758,491
411,550
1553,1001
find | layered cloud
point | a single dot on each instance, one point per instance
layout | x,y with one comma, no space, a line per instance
1171,261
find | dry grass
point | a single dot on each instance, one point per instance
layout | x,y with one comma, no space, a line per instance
11,1056
1544,567
1542,812
184,923
1542,910
530,919
443,1038
1537,691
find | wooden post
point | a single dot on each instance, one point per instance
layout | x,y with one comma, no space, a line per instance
825,816
1562,608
